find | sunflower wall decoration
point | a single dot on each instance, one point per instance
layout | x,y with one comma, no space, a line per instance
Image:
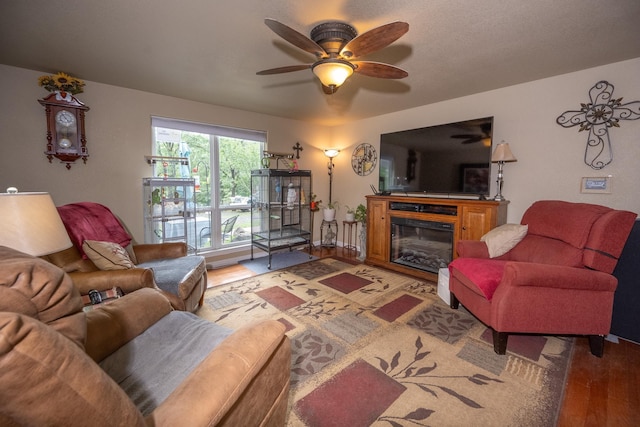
597,116
61,82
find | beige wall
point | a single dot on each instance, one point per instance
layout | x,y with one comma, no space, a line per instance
118,128
550,158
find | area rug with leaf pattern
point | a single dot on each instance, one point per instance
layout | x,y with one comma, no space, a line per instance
373,347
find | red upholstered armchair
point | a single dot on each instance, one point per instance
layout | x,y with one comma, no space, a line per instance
556,281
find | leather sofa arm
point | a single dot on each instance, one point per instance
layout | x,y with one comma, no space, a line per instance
128,280
556,276
152,251
231,385
114,324
472,249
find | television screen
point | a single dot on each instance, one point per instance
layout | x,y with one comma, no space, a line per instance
450,159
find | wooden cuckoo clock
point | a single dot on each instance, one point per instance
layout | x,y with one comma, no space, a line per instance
66,139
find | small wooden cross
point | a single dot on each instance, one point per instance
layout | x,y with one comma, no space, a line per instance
298,148
604,111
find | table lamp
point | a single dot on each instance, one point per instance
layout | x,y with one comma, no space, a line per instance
31,223
502,155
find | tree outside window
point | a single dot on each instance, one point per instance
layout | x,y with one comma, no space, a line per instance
220,160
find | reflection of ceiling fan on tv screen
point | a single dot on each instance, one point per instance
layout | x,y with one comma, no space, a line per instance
336,46
470,138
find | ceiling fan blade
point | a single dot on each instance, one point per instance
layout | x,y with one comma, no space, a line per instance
287,69
379,70
295,38
374,40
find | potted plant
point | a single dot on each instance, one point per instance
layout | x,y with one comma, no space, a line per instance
350,216
329,212
360,214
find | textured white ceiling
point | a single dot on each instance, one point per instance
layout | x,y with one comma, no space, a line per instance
209,51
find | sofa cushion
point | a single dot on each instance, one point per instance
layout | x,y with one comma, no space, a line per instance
483,275
39,289
153,364
107,255
545,250
169,273
566,221
502,239
48,381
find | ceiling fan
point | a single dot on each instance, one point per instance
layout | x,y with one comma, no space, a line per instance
336,45
470,138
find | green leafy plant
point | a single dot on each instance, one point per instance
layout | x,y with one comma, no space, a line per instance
331,205
156,199
361,213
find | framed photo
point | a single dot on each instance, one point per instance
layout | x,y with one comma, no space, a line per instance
596,184
475,178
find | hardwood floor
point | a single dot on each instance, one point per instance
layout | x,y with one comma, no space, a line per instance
599,391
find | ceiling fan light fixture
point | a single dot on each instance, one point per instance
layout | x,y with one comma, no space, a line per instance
333,73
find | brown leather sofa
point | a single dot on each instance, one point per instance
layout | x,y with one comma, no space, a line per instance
185,293
164,266
57,362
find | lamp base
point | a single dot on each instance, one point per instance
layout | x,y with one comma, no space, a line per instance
499,183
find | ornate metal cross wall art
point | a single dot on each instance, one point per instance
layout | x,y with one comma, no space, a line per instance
604,111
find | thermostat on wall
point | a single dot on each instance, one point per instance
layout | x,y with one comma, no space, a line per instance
596,184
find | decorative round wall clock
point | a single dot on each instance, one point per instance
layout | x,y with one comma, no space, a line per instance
364,159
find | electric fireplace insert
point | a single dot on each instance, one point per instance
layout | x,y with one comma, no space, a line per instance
424,245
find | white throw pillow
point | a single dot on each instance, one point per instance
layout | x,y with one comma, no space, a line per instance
107,255
502,239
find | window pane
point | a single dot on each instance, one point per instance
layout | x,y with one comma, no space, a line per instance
221,164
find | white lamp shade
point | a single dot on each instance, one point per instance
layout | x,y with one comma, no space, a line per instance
331,152
333,73
31,224
503,153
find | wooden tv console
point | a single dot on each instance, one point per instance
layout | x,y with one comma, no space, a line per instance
470,219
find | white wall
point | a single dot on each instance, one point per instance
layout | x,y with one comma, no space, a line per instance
118,127
550,158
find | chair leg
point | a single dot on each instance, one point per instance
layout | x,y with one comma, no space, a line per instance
453,301
500,341
596,345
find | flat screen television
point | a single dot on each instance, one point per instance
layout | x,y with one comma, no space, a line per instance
447,160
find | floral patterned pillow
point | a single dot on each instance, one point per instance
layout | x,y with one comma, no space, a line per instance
107,255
